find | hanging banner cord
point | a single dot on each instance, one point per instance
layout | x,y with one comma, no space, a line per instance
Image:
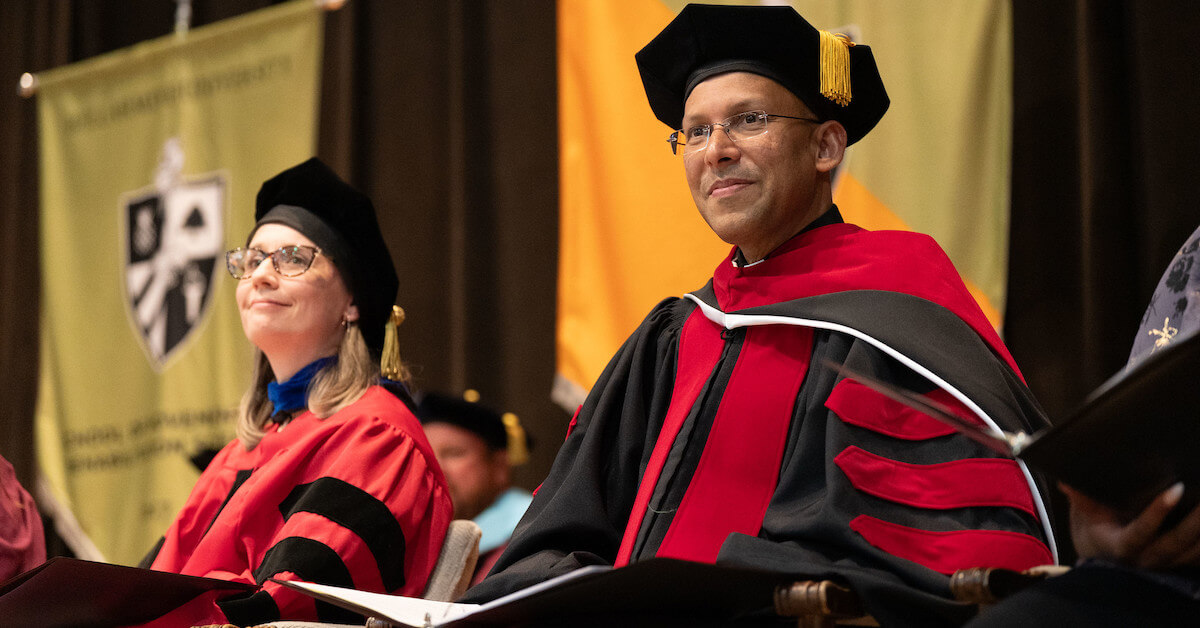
27,85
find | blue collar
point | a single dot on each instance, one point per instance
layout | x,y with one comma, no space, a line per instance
293,394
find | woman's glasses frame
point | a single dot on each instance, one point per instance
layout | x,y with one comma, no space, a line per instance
292,260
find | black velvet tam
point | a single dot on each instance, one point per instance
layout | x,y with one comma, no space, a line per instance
473,417
774,41
340,220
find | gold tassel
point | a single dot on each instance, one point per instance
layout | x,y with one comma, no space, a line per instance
389,363
518,452
835,67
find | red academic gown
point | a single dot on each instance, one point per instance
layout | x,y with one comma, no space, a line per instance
717,434
354,500
22,541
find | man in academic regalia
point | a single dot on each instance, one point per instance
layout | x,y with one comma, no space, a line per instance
477,447
718,432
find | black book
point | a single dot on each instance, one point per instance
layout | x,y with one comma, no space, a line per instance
1134,436
72,592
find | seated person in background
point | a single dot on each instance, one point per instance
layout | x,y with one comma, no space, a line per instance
331,478
477,448
1131,572
22,542
717,433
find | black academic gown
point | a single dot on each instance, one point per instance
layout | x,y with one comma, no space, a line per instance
865,492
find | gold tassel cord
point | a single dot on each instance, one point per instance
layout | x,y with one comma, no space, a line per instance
518,450
835,67
389,363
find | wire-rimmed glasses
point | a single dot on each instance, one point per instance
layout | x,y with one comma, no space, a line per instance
740,126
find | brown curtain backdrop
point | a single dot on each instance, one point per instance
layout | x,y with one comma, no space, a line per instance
1106,104
1105,132
444,111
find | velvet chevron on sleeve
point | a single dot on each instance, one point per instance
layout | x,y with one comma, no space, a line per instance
354,500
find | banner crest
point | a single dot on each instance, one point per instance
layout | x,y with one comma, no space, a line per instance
173,240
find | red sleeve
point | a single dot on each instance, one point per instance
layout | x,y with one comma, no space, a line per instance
22,544
377,505
356,502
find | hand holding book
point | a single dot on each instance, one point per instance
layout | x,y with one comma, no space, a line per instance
1144,542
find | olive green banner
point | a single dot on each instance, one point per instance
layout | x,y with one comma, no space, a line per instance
151,157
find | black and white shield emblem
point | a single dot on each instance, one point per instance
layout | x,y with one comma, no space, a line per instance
174,237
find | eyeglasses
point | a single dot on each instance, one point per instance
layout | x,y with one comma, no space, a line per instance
739,127
289,261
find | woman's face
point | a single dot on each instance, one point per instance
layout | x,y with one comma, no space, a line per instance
293,320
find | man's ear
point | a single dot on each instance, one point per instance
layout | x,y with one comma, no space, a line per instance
831,145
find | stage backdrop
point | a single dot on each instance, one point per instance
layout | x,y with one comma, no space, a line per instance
937,163
150,161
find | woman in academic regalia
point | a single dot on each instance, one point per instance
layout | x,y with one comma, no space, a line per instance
331,478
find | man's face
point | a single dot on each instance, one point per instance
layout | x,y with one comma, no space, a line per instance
758,192
476,475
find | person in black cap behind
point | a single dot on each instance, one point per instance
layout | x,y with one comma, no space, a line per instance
477,448
331,478
718,432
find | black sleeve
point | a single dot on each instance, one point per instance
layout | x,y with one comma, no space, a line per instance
148,559
579,513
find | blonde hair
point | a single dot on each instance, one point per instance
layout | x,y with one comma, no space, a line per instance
334,387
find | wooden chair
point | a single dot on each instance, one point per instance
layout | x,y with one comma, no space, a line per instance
821,604
988,585
825,604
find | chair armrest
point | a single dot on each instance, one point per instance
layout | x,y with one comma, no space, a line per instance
988,585
821,603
